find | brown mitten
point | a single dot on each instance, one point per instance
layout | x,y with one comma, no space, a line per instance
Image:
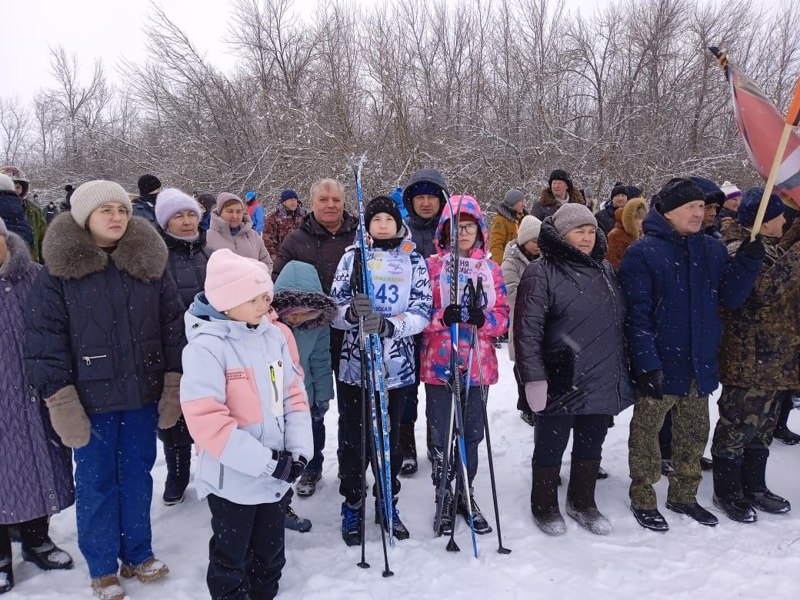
169,407
69,418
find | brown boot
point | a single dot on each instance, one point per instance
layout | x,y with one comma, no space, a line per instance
149,570
108,588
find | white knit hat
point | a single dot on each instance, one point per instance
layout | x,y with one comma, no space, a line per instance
6,183
93,194
170,201
730,190
528,230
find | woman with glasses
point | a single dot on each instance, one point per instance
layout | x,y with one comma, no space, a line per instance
482,310
104,340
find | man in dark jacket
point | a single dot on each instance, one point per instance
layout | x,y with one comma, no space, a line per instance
145,205
606,215
424,199
675,279
321,240
559,190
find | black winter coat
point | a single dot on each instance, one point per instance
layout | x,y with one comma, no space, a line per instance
187,264
606,218
110,325
569,329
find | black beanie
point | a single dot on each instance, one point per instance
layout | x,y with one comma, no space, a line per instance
677,192
711,191
148,183
382,204
561,175
619,189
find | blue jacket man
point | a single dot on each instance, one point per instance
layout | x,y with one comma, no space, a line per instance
674,280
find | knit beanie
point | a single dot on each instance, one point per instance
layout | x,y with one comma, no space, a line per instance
425,188
512,197
223,199
382,204
288,194
730,190
170,201
634,192
207,201
6,183
561,175
148,183
571,216
746,215
91,195
711,192
677,192
3,230
232,280
619,189
250,196
528,230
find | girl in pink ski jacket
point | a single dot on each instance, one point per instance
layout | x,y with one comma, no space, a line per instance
246,407
487,317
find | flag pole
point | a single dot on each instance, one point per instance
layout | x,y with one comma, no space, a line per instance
792,120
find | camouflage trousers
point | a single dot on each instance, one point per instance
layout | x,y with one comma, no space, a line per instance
690,427
747,419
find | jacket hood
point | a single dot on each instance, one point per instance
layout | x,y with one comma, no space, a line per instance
70,252
554,247
514,252
634,207
298,286
546,197
656,224
509,214
469,206
419,176
18,260
202,318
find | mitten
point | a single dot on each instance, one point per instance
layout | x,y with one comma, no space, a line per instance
68,417
169,407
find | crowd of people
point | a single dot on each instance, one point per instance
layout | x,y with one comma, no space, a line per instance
212,324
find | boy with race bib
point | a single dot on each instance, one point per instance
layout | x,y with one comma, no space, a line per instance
402,307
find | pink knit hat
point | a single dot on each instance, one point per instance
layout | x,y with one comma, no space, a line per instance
232,280
223,199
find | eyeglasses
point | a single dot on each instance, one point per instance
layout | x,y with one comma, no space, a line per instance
469,228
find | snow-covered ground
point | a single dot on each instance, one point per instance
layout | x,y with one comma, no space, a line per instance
690,561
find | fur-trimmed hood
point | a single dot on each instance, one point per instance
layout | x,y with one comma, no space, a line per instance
509,214
70,252
554,247
633,208
546,197
469,206
298,286
18,261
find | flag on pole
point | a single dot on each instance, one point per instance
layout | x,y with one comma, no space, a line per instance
761,125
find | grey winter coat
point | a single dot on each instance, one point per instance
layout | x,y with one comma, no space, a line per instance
35,468
514,263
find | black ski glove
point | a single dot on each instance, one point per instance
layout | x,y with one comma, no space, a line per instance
298,467
283,465
476,317
360,306
651,384
753,250
452,314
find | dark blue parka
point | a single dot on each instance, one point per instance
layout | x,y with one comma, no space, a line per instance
109,324
674,286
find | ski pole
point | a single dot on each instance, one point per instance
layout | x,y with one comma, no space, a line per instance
363,564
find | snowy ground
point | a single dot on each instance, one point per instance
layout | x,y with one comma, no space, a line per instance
690,561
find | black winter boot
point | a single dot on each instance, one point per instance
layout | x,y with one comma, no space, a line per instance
179,461
38,548
478,520
400,530
448,513
754,484
728,495
408,446
544,500
6,574
580,497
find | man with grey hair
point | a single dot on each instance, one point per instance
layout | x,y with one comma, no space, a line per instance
321,240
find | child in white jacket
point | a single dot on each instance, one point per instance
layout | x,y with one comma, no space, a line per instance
246,407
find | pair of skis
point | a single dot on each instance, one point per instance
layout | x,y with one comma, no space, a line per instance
372,365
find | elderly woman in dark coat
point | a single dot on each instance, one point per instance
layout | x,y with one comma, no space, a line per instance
35,469
104,341
570,352
178,216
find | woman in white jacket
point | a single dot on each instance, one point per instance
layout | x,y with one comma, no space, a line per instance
247,410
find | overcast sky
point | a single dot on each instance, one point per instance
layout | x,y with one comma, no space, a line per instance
112,29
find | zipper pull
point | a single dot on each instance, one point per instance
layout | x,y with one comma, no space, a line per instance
272,373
